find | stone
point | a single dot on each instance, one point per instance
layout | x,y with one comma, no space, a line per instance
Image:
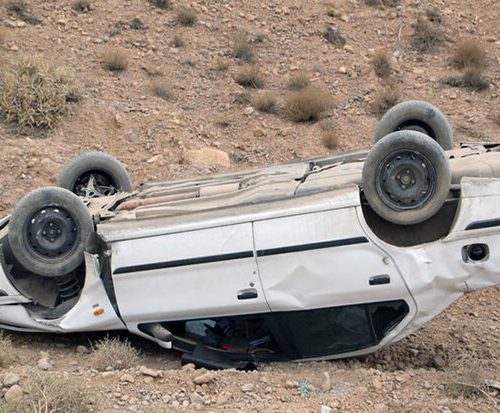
44,364
290,384
377,384
326,384
325,409
258,133
247,387
150,372
204,378
82,349
343,70
438,362
10,379
13,394
127,378
188,367
196,398
207,156
248,110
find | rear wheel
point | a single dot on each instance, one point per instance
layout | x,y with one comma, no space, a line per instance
418,116
48,230
406,177
95,174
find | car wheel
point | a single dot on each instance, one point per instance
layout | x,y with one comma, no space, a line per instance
48,230
95,174
418,116
406,177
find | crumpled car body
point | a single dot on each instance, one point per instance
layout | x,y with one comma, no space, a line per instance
280,263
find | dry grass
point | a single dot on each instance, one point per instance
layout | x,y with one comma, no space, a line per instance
307,104
3,35
427,35
385,100
382,3
381,63
243,50
178,41
18,7
249,76
266,101
330,134
7,351
34,92
469,54
82,6
161,4
162,89
298,81
114,60
221,65
334,37
186,17
114,353
471,79
51,392
466,377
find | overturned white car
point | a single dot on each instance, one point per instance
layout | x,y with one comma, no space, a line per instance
326,258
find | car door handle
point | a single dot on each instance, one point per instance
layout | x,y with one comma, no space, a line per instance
380,279
247,294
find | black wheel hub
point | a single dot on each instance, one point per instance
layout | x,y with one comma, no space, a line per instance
51,232
405,180
94,184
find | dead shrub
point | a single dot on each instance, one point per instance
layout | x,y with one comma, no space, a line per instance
469,54
114,60
224,120
82,6
330,134
385,100
266,101
186,16
34,92
243,50
298,81
163,89
382,3
221,65
249,76
243,98
471,79
136,24
334,37
114,353
7,351
177,41
427,35
466,377
307,104
433,15
161,4
381,63
18,7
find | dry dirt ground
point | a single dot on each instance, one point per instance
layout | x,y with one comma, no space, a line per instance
119,114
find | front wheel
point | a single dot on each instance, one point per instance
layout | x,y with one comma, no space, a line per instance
406,177
48,230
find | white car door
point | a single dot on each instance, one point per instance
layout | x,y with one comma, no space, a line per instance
187,275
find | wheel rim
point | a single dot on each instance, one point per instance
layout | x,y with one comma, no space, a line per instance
405,180
94,184
51,232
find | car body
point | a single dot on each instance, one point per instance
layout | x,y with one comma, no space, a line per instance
284,262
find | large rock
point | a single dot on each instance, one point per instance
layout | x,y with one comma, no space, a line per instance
10,379
13,394
204,378
207,156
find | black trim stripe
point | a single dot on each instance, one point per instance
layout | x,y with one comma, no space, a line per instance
239,255
312,246
487,223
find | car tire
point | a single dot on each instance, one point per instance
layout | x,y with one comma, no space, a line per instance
419,116
406,177
108,175
48,230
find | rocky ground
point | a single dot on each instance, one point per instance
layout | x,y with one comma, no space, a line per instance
155,138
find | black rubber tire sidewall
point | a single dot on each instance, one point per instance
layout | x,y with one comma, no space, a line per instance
433,152
95,161
24,210
420,111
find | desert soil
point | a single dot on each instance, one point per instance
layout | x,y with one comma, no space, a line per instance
119,114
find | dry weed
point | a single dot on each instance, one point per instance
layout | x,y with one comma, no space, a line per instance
186,16
334,37
382,3
221,65
427,35
266,101
82,6
298,81
177,41
385,100
7,351
242,49
34,92
466,377
114,60
114,353
469,54
162,89
381,63
433,14
330,134
471,80
18,7
307,104
249,76
162,4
